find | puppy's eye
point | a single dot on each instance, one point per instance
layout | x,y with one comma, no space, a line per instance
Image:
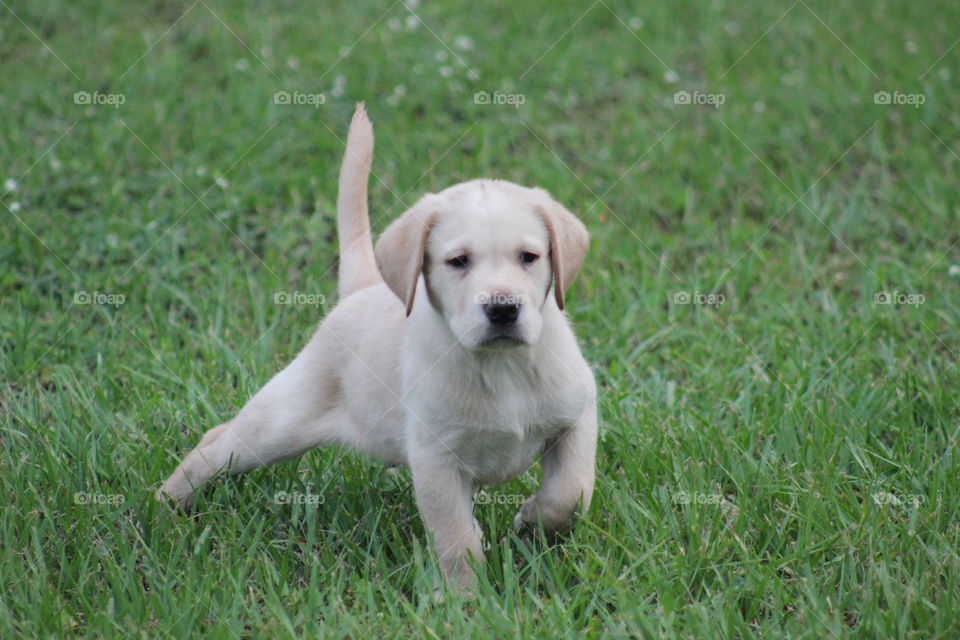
528,258
459,262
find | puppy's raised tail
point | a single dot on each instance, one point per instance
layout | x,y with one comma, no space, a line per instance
358,266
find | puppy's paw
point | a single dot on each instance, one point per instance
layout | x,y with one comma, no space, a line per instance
525,523
169,492
441,595
528,517
555,521
450,587
522,527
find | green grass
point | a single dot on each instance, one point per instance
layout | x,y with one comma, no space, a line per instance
786,416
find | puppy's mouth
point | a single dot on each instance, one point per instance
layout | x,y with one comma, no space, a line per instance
502,339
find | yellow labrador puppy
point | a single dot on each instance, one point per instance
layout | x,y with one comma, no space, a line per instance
447,353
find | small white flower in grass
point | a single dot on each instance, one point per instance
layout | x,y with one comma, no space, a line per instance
55,164
954,270
293,63
266,52
338,85
15,206
473,75
222,182
242,64
446,71
463,42
393,24
670,77
412,4
440,55
911,46
10,185
944,74
398,92
636,23
759,106
412,22
201,171
792,79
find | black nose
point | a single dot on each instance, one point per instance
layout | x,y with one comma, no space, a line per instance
501,313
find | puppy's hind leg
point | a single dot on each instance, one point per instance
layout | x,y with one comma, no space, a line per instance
285,418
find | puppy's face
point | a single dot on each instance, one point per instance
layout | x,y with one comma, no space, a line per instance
487,267
488,250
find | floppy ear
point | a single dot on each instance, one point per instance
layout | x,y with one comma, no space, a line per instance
400,250
568,245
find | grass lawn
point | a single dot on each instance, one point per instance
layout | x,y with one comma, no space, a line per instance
779,448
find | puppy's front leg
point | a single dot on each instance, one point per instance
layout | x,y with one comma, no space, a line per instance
445,499
568,474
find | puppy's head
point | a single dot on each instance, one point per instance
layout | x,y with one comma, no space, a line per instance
489,251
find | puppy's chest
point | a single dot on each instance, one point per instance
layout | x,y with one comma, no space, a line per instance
519,405
497,429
